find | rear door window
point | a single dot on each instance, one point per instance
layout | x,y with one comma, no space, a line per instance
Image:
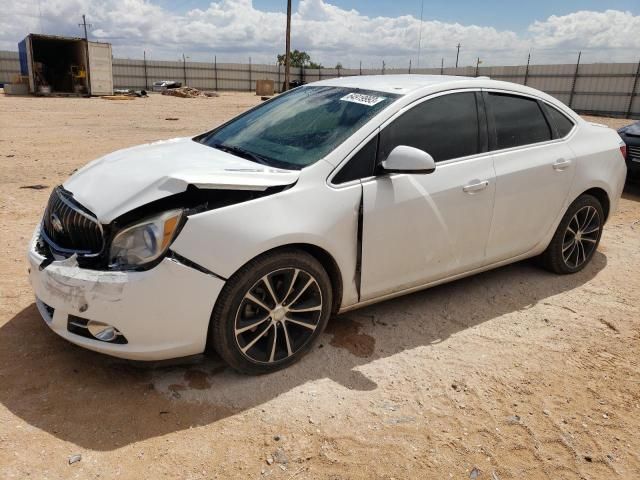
446,127
517,121
562,123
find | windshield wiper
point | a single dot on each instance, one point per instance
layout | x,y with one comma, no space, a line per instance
241,152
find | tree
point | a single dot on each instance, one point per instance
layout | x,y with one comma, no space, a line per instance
338,66
299,59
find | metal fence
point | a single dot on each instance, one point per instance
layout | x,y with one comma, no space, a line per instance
611,89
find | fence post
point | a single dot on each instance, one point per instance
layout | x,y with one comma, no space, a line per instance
575,79
215,70
146,81
184,69
633,91
526,72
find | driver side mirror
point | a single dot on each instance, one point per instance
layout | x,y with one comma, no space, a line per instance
404,159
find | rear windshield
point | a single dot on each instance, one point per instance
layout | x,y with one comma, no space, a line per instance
299,127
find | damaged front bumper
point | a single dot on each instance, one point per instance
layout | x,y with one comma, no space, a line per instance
159,314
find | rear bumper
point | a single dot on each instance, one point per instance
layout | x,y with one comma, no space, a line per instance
163,313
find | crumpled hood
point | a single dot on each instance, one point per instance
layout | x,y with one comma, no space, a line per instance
129,178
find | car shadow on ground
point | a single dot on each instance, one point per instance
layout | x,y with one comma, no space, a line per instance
632,190
101,404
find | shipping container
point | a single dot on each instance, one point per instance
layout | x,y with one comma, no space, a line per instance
66,65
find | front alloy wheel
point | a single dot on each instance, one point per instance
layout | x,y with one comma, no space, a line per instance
271,311
278,315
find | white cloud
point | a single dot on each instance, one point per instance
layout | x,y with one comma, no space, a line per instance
235,30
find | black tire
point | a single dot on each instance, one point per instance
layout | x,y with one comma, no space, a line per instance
561,256
284,342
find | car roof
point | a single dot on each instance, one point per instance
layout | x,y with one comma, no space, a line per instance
400,84
415,86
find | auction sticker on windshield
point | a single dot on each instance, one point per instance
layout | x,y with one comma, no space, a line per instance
363,99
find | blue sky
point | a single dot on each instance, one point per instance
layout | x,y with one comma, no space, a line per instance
508,15
347,31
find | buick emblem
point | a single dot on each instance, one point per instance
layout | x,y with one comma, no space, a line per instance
56,223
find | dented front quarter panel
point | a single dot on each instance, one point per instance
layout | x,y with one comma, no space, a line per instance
311,213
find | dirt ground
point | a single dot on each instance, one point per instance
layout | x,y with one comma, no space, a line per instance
515,373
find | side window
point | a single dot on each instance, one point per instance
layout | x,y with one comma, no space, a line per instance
518,121
559,119
445,127
361,165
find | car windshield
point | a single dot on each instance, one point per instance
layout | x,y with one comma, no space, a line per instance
299,127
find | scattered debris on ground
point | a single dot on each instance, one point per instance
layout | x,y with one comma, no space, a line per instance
37,186
117,97
130,92
172,118
188,92
75,458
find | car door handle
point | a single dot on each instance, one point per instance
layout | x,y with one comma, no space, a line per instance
561,164
475,187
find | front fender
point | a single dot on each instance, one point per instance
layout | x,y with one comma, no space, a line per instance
223,240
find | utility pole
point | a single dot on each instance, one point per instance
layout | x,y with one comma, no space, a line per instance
526,72
287,53
478,66
409,65
442,66
360,67
420,34
85,25
458,54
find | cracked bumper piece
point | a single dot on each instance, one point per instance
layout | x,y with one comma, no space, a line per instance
163,313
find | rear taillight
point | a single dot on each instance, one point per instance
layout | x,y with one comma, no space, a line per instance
623,151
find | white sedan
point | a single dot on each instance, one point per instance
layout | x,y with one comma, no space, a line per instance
332,196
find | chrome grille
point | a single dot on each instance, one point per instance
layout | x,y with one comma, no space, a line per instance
68,227
634,152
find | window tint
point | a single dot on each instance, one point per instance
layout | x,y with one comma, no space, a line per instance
361,165
559,119
445,127
518,121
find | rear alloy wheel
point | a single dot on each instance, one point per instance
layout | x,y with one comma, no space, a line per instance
270,313
581,236
577,237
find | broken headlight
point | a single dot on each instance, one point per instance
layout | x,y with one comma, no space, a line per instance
145,241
